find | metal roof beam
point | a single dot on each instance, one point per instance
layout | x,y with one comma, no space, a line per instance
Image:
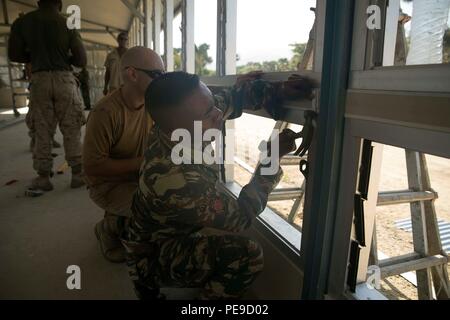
134,10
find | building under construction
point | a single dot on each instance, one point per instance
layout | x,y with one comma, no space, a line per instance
363,209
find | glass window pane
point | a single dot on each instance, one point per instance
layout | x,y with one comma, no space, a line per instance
177,42
250,131
423,32
394,235
205,37
272,36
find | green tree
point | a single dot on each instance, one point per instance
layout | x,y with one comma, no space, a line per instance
177,63
299,51
202,59
280,65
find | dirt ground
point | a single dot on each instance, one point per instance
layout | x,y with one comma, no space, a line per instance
391,240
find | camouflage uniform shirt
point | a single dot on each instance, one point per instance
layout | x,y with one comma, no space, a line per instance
175,201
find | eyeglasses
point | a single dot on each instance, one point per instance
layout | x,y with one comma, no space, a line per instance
151,73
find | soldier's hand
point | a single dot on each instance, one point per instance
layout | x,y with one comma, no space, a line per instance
287,142
251,76
297,87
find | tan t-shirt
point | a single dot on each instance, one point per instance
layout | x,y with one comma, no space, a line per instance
113,64
117,132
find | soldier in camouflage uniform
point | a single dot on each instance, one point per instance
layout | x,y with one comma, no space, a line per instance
174,203
43,39
29,116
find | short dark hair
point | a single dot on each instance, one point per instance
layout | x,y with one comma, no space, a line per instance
46,2
169,90
122,34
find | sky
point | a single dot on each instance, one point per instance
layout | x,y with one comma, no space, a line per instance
265,28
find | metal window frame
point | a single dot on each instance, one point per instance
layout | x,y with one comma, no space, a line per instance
148,26
168,34
322,193
424,78
426,140
295,110
226,37
406,107
187,26
156,29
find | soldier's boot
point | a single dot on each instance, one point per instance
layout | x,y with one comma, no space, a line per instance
145,294
77,177
42,182
56,144
107,232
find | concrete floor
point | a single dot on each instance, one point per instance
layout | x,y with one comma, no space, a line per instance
42,237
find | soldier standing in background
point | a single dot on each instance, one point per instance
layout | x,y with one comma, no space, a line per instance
42,38
29,117
113,74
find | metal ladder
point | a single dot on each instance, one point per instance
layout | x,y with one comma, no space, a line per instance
428,259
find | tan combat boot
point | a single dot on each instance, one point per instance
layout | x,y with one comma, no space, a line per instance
77,177
107,234
42,182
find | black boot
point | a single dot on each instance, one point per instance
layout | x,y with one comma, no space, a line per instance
145,294
77,177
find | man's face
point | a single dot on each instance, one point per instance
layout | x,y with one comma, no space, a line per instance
141,74
145,76
122,41
200,106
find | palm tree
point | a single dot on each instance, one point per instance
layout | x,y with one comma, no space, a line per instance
202,59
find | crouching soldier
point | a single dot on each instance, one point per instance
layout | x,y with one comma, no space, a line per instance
174,202
116,138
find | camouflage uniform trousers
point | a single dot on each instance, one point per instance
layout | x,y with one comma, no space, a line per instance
30,124
56,100
223,266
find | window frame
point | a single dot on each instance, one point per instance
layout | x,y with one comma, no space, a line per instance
295,113
399,120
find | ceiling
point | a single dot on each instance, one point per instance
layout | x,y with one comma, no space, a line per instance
94,14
